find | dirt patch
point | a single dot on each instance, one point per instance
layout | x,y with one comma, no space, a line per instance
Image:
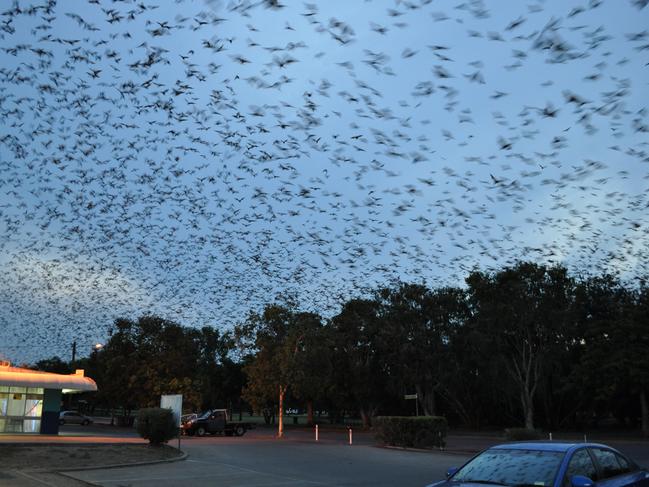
68,457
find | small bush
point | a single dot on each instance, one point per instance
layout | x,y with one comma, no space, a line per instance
410,431
156,425
521,434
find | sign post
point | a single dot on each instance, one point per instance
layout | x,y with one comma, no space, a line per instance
175,403
413,396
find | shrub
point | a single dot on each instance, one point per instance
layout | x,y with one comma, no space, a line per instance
156,425
411,431
521,434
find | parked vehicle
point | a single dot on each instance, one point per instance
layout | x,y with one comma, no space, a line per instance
187,417
73,417
215,421
548,464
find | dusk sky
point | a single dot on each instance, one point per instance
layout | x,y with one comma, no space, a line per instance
198,159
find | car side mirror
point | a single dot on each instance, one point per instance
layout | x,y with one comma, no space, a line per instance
451,471
581,481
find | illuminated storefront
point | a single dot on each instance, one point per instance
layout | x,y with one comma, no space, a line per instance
30,400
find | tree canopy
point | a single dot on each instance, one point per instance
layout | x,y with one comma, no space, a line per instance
526,345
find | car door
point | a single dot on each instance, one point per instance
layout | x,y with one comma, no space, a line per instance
582,464
615,470
71,418
217,421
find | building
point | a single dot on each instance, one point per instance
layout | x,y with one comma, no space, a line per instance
30,400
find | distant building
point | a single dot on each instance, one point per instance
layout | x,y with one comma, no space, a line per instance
30,400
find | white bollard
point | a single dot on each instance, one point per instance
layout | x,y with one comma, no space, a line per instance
550,436
585,441
350,436
316,432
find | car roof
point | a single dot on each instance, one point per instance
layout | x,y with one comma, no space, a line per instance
555,446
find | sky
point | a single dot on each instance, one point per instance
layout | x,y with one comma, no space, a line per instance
199,159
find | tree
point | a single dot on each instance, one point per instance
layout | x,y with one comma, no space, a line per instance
119,360
525,310
416,325
54,365
152,356
220,377
470,381
314,369
614,342
279,337
637,358
361,372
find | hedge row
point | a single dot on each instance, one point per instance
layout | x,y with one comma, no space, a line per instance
156,425
411,431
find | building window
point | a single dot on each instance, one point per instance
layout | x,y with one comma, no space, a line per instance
20,409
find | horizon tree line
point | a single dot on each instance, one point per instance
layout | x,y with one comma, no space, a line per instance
526,345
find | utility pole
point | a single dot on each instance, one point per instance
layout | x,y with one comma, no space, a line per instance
74,351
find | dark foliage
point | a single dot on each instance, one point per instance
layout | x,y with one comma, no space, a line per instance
521,434
156,425
408,431
527,345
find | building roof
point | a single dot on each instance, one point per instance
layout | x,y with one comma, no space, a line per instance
16,376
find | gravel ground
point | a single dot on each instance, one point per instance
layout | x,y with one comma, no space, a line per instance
68,457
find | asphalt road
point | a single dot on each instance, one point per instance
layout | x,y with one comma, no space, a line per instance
258,460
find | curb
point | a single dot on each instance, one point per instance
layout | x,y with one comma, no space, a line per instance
181,457
430,450
65,473
74,443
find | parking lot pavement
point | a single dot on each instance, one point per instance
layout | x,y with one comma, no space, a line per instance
14,478
257,460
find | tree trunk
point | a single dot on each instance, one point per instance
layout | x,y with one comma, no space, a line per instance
426,399
309,412
528,409
366,415
280,423
644,412
366,418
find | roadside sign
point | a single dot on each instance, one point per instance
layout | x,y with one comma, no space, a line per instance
175,403
413,396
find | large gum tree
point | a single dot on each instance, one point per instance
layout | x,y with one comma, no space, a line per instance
524,311
279,339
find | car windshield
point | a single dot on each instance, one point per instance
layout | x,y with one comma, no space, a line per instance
205,415
515,468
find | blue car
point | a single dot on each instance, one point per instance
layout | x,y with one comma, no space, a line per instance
548,464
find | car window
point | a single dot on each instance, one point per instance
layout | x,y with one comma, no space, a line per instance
625,464
608,463
512,467
580,464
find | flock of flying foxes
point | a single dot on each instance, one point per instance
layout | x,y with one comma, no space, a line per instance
199,159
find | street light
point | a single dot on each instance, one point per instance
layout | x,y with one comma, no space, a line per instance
97,346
